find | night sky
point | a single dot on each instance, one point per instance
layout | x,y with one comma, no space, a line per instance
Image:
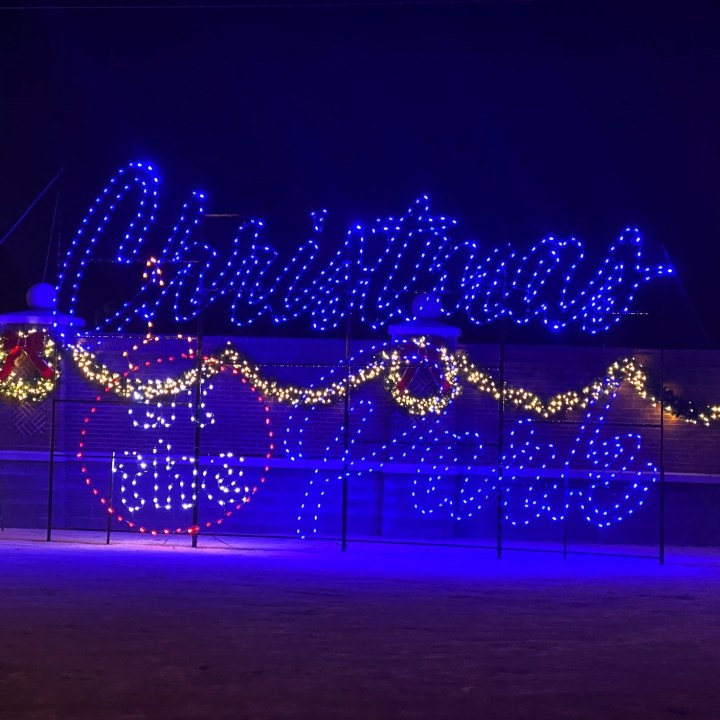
519,119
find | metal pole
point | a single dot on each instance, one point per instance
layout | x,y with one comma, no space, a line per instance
661,498
197,407
346,446
662,458
51,464
565,519
2,501
346,413
501,436
110,498
566,495
51,467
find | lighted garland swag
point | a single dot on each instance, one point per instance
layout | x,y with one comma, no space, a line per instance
450,370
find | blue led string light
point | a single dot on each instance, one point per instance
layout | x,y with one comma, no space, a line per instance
158,283
599,476
602,476
375,272
446,467
121,247
447,477
542,284
443,465
616,481
532,478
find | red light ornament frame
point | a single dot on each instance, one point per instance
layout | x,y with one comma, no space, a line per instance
130,522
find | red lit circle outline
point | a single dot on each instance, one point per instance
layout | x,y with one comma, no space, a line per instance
192,529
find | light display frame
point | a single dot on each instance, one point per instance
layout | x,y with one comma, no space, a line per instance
372,277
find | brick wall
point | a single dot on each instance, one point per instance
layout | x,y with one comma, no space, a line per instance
381,504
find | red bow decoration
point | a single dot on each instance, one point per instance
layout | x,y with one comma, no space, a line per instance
430,357
31,345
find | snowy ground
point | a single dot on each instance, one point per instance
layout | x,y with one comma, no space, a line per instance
287,629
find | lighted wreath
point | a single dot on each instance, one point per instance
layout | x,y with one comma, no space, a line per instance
27,365
423,377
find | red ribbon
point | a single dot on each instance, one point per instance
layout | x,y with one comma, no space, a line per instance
31,345
431,358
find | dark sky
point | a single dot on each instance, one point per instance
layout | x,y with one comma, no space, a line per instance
520,119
